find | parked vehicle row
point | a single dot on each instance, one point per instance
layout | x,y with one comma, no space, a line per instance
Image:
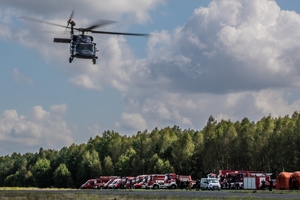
152,181
226,179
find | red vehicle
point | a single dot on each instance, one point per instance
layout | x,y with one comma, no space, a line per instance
234,179
129,182
139,181
90,184
156,181
105,185
103,180
116,184
124,181
174,181
97,183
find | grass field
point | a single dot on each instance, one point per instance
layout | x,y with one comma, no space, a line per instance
45,194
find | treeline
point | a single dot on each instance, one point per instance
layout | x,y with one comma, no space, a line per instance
271,144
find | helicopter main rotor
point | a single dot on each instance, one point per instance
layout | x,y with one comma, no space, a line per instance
97,24
82,46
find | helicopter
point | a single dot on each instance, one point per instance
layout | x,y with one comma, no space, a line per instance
82,45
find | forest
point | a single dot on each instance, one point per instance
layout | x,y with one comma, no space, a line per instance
270,144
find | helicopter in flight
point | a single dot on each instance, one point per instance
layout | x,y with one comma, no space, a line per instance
82,45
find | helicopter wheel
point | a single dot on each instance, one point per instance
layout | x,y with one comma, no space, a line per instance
70,60
94,61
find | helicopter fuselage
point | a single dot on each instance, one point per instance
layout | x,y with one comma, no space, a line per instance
82,46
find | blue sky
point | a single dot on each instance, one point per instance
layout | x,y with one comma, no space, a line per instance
230,59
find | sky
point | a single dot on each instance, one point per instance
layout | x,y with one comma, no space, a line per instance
227,58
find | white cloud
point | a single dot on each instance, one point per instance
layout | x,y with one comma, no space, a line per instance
60,109
230,42
232,60
39,128
132,121
21,78
91,9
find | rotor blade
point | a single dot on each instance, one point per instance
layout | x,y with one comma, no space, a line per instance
41,21
71,16
69,20
120,33
99,23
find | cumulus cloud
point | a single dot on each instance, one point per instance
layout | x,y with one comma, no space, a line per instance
230,42
39,128
231,59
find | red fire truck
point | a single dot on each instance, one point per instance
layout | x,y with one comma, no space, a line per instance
137,182
96,183
174,181
127,182
238,179
155,181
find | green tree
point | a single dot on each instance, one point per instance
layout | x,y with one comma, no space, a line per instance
124,164
182,153
197,158
242,152
108,166
28,179
61,176
162,167
90,166
74,161
142,144
42,175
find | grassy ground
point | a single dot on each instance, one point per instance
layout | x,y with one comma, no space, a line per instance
62,194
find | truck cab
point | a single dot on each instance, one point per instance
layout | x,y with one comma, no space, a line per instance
90,184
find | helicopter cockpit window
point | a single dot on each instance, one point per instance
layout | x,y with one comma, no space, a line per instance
89,47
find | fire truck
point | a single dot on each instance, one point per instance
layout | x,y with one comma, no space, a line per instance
90,184
97,183
174,181
116,184
127,182
155,181
106,185
242,179
137,182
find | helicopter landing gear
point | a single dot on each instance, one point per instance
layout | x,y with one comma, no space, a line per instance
70,59
94,61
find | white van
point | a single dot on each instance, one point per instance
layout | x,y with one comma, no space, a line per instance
210,184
